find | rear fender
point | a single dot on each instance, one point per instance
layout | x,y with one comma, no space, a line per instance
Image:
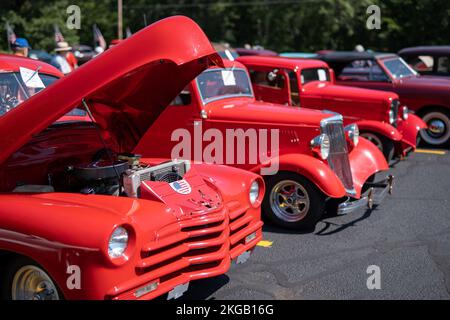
313,169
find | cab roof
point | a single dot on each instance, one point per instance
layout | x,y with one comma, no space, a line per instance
349,56
281,62
430,50
12,63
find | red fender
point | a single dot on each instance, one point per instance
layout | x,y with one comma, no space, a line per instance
381,128
315,170
365,160
410,128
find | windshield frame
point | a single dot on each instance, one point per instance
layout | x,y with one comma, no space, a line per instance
22,86
392,76
227,96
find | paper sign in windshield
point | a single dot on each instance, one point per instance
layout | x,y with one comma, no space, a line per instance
322,75
31,78
228,78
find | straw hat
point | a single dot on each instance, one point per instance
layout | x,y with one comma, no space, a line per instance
62,46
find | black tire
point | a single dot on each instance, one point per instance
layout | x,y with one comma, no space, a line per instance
388,149
316,199
436,139
10,270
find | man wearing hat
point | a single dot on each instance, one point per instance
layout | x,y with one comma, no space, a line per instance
60,58
20,47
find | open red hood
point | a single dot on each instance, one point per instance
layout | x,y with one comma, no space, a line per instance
126,87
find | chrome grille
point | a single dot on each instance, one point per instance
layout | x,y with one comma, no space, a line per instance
338,157
394,107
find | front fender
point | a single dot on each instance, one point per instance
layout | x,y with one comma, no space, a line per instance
58,230
315,170
365,160
381,128
410,128
229,181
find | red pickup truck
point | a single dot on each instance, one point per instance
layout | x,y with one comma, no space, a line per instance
427,96
310,84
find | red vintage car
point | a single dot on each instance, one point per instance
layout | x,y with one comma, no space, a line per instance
311,84
315,158
82,215
428,97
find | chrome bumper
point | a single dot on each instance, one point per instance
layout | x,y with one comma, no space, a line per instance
372,197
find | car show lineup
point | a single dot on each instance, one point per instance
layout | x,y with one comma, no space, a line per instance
148,168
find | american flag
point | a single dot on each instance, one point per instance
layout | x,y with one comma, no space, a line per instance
129,33
181,186
58,35
98,37
10,34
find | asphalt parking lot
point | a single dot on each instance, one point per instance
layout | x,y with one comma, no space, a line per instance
407,237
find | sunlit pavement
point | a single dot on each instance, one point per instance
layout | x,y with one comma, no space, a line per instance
408,237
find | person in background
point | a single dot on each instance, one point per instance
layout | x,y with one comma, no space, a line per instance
72,60
60,58
20,47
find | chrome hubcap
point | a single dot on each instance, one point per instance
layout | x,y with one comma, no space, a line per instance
289,201
436,128
374,139
32,283
438,131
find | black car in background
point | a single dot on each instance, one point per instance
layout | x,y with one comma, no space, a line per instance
428,60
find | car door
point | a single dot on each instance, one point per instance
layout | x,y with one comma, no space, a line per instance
270,84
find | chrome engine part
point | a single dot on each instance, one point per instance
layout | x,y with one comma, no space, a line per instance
168,172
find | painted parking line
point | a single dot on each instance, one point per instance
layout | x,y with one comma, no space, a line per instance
265,244
438,152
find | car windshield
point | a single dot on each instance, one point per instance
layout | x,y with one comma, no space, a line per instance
399,68
217,84
16,87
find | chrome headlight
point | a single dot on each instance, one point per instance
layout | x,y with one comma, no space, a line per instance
254,192
118,243
321,146
352,132
391,116
405,113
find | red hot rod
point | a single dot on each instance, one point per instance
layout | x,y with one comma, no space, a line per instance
427,96
82,216
311,84
315,158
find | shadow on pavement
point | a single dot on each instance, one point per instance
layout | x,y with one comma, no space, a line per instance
202,289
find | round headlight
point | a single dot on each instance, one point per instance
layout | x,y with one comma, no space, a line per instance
405,112
118,243
353,133
321,145
254,192
391,116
